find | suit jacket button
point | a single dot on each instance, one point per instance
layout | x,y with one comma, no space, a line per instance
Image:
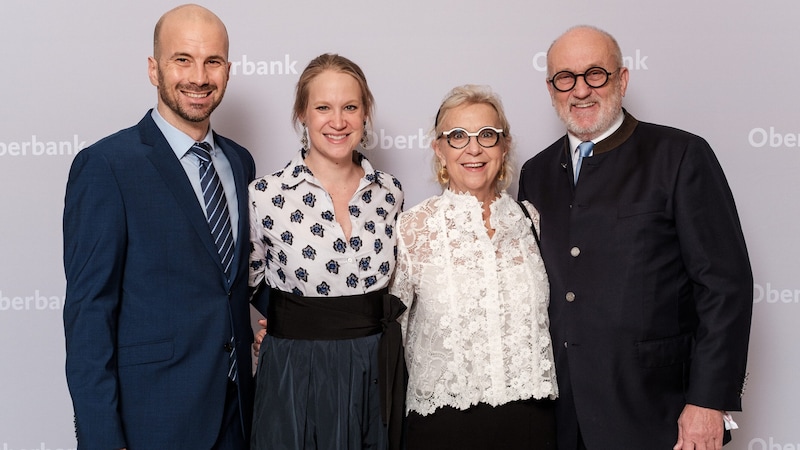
228,347
570,296
575,251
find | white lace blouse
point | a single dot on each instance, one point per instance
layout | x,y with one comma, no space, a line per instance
476,329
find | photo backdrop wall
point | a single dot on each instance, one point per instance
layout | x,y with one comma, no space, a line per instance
75,72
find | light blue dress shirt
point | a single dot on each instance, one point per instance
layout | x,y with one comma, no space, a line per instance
180,143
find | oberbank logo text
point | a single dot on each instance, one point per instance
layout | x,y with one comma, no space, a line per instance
34,302
636,61
41,446
248,66
39,147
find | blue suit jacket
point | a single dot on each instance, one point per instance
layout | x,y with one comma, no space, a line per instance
651,287
148,309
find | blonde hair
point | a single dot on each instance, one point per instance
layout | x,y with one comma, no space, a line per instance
336,63
471,94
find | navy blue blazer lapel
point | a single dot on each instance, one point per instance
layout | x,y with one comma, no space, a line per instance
163,159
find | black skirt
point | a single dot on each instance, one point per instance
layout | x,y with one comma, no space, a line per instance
330,374
525,424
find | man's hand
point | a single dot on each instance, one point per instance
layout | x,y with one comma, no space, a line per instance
699,429
259,337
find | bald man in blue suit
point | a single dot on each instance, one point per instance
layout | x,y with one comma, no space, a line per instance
153,320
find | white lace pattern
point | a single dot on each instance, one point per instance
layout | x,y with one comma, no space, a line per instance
477,325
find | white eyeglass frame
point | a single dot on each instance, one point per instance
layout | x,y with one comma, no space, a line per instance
446,134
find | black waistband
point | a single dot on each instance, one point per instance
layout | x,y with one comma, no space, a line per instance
293,316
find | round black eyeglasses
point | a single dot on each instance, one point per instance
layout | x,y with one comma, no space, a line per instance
595,77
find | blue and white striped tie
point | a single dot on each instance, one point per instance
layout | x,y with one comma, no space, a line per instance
232,367
219,222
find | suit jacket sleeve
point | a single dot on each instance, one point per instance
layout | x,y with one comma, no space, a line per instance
94,245
716,260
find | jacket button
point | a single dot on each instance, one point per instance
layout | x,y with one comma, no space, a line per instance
570,296
228,347
575,251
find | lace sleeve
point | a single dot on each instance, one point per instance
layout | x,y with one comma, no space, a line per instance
534,216
402,285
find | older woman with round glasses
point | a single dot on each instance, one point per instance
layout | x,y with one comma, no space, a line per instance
478,350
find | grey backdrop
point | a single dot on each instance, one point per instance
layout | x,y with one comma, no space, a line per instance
76,71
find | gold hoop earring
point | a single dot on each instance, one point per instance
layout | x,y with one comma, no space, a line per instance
443,176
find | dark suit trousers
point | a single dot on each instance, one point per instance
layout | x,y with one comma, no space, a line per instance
231,436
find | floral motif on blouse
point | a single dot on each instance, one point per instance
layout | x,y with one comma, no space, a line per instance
477,326
298,246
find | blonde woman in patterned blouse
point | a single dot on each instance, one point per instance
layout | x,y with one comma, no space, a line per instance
478,350
323,248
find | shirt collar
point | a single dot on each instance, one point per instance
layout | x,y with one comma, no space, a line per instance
179,141
574,141
297,172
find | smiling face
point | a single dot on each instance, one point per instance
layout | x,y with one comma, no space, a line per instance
472,169
334,116
190,68
587,112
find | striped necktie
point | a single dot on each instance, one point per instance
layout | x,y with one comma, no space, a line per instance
219,220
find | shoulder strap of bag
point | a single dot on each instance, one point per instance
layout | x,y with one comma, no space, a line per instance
533,228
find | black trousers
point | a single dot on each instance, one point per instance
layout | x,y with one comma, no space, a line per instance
525,424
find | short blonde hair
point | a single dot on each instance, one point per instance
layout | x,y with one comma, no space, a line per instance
471,94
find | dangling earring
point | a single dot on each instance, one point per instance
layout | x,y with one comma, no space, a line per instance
502,174
443,176
365,137
304,139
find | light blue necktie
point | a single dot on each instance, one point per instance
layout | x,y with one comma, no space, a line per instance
584,149
219,222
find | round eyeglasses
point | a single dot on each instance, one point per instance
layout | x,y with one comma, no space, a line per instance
458,138
595,77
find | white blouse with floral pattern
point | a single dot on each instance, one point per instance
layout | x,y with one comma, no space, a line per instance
477,326
298,246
